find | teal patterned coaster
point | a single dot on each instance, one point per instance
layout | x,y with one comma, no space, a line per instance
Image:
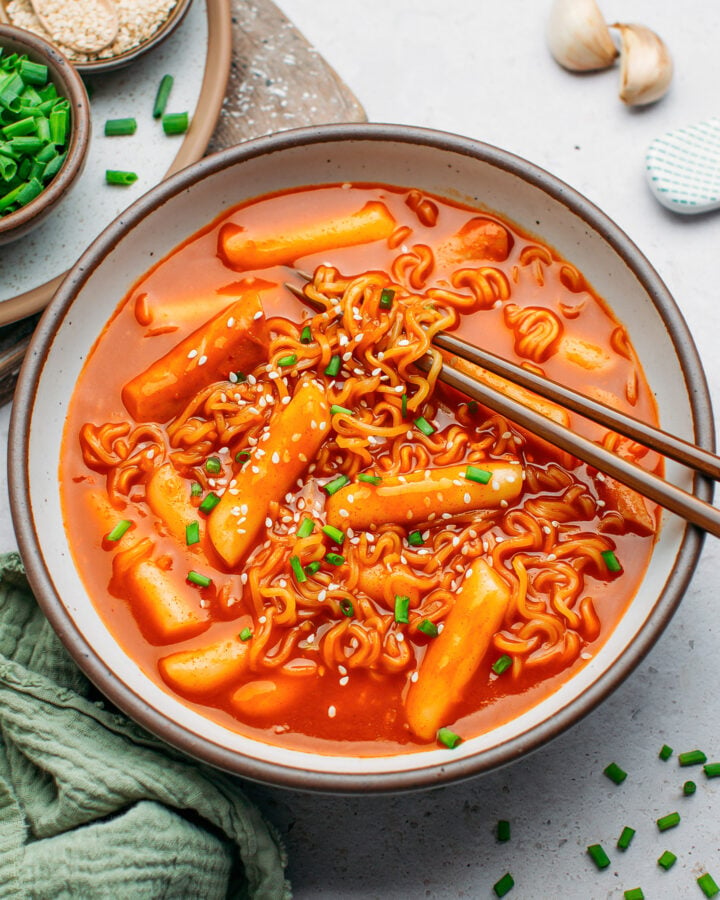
683,168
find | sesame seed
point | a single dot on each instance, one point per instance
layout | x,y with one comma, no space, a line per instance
202,360
231,321
192,354
258,315
332,712
343,681
268,522
275,458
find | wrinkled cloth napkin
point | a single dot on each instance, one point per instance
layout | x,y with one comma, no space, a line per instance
91,805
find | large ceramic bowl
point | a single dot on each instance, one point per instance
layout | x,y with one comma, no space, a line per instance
445,165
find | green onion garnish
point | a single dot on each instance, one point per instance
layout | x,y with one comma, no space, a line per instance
119,530
386,298
481,476
196,489
245,634
615,773
116,176
346,607
306,335
192,533
334,533
288,360
120,127
712,770
707,885
665,752
472,407
312,567
598,856
198,579
175,123
667,860
689,788
333,367
626,836
423,425
505,884
335,559
335,409
32,72
448,738
213,465
428,628
415,539
210,501
611,561
334,486
162,95
634,894
692,758
306,528
297,568
669,821
502,664
503,830
369,479
403,406
402,608
242,456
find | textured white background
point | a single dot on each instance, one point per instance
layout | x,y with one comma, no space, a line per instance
481,68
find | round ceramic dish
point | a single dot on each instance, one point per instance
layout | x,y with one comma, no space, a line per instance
70,85
174,18
448,165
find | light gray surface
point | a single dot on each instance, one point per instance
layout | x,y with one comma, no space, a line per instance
481,69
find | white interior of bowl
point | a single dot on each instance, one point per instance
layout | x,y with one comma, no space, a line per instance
455,175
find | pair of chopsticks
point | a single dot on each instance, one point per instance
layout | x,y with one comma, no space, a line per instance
650,485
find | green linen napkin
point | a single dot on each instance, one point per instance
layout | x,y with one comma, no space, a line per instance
91,805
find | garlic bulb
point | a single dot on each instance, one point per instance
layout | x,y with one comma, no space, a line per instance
578,37
646,67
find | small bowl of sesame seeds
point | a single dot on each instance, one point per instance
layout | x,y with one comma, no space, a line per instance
100,35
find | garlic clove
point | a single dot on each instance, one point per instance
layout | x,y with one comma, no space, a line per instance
578,36
646,67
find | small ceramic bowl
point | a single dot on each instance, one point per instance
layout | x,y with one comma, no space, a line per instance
69,84
447,165
107,63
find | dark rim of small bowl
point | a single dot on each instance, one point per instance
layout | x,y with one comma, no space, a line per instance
392,780
70,85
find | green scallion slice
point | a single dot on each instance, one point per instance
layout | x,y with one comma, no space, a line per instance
196,489
297,568
402,608
312,567
306,335
626,836
712,770
615,773
611,561
288,360
504,885
335,409
32,72
306,528
346,607
503,830
192,533
242,456
415,539
667,860
199,579
334,366
369,479
671,820
386,298
175,123
689,788
665,752
502,664
332,487
634,894
428,628
120,127
335,559
598,855
403,405
118,531
209,502
422,424
334,533
162,95
707,885
213,465
245,634
692,758
481,476
116,176
448,738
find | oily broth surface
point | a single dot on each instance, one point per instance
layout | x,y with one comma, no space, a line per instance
180,293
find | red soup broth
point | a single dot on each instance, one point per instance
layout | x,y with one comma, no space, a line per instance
523,302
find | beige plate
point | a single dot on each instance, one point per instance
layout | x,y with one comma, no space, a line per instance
213,71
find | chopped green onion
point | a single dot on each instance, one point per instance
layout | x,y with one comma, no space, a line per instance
428,628
333,367
689,788
615,773
402,608
32,72
626,836
198,579
192,533
242,456
196,489
119,530
288,360
115,176
297,568
59,123
667,860
334,533
504,885
346,607
665,752
707,885
503,830
332,487
369,479
335,409
213,465
403,405
634,894
712,770
162,95
481,476
312,567
306,528
448,738
598,856
502,664
335,559
415,539
692,758
245,634
422,424
210,501
306,335
611,561
386,298
668,821
175,123
120,127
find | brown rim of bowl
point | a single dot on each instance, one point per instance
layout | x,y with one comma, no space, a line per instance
177,14
323,782
70,85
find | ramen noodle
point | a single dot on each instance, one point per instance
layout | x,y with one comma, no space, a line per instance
308,537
